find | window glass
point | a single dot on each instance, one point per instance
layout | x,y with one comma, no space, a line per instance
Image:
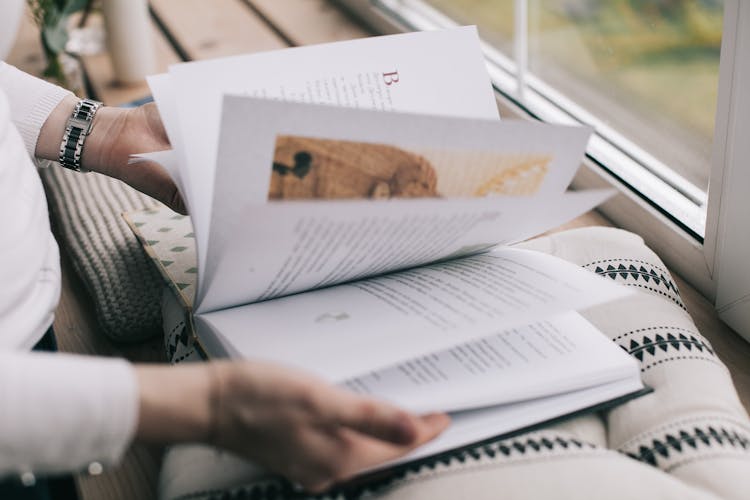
647,68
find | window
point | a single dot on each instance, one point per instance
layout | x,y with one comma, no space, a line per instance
648,76
648,70
644,73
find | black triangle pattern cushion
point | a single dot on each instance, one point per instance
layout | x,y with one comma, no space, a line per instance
690,439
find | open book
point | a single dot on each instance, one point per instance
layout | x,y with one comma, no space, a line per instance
353,204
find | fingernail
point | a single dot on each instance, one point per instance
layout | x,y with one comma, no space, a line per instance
405,430
441,419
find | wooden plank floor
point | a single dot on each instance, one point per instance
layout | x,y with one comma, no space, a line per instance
196,29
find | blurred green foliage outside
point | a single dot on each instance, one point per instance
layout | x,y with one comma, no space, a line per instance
658,56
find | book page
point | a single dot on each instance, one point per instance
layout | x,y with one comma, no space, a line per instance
558,355
404,156
437,72
349,330
484,423
162,92
275,249
325,147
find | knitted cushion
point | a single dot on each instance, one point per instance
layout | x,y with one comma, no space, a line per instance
86,212
689,439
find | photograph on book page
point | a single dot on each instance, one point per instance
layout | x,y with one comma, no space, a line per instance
314,168
304,151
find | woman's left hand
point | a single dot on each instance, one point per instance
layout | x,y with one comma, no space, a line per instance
116,134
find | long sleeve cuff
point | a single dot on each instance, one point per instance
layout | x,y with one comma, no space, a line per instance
31,102
61,412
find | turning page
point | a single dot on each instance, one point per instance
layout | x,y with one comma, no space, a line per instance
290,152
420,72
276,249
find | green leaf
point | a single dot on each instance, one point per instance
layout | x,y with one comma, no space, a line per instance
55,18
56,36
73,6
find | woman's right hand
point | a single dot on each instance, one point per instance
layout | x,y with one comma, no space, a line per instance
284,420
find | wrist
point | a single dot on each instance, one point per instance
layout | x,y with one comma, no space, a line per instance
175,403
107,124
51,133
219,376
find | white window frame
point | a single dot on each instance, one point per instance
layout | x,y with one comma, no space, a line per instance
727,241
718,264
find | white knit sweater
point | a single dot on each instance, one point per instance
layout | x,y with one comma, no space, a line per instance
57,412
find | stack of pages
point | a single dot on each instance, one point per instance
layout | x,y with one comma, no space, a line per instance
353,204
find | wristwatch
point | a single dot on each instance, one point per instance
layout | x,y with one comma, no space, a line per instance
78,127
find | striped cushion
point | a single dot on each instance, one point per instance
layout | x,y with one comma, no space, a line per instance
689,439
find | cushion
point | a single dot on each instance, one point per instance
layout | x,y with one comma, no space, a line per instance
86,214
689,439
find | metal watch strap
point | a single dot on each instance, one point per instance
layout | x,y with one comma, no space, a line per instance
78,127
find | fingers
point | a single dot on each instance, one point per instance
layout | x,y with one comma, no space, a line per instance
176,202
374,450
335,407
365,433
154,122
384,421
354,433
309,431
379,420
151,178
431,426
349,452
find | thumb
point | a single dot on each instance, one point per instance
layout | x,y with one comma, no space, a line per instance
389,423
150,178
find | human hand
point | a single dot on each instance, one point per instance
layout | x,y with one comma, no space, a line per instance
308,431
119,133
294,425
116,134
